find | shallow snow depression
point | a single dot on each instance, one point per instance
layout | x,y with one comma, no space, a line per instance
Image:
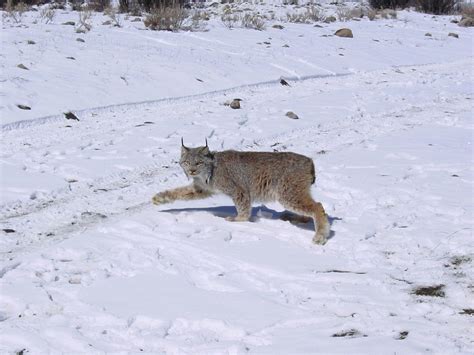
90,266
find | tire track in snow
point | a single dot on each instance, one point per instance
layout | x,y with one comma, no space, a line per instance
168,100
72,209
208,95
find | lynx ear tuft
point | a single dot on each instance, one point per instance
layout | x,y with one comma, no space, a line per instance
183,147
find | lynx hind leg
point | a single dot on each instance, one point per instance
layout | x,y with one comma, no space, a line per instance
304,204
323,227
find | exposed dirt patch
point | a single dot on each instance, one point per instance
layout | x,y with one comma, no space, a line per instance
458,260
430,291
342,272
467,311
353,333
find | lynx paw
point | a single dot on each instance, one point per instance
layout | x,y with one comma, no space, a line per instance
236,219
161,198
322,234
319,239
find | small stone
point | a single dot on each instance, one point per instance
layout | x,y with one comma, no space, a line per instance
344,32
278,27
235,104
23,107
21,66
70,116
69,23
75,280
452,34
292,115
427,34
466,22
402,335
80,40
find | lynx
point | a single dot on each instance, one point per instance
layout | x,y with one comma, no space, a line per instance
251,176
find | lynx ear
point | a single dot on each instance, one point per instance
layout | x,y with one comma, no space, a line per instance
205,150
183,147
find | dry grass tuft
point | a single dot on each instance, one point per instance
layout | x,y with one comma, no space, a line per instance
47,14
169,18
253,21
15,12
84,25
309,15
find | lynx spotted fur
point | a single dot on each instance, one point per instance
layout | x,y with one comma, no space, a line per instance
248,177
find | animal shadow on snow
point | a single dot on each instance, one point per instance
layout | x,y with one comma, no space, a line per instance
262,211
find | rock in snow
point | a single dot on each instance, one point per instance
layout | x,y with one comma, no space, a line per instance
344,32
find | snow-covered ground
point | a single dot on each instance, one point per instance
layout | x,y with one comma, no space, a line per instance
129,64
89,265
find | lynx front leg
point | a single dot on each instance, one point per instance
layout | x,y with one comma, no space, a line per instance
243,205
181,193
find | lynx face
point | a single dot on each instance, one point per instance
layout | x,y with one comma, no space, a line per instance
197,163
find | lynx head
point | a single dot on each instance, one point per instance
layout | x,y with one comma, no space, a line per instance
197,162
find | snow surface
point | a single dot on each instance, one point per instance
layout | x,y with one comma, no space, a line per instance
129,64
94,267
